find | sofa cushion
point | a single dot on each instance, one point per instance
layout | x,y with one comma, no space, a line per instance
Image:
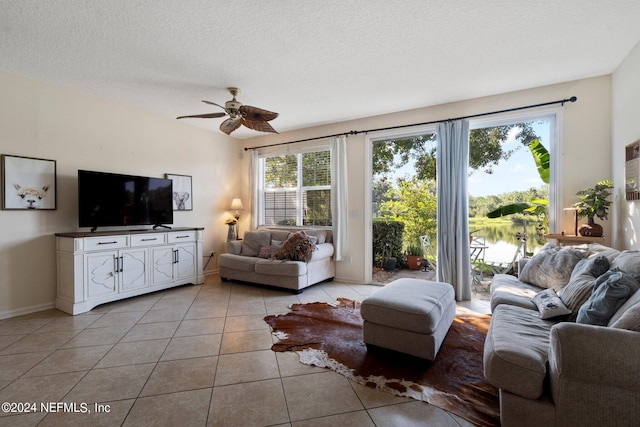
630,320
281,268
611,291
550,305
551,267
238,262
321,235
631,302
629,262
516,351
507,289
253,240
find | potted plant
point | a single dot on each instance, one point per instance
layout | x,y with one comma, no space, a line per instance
388,262
594,202
414,257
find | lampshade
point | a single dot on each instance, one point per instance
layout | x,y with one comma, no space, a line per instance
236,204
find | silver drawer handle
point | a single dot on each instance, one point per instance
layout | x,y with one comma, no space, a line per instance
107,243
148,240
181,237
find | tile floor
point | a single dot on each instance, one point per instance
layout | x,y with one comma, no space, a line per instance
189,356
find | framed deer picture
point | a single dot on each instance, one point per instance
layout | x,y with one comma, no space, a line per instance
182,192
28,183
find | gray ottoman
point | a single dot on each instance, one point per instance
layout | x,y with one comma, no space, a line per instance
409,315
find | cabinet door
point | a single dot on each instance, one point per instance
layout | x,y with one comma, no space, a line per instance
101,273
133,269
186,266
162,260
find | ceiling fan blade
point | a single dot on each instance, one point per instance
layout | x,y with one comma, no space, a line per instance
230,125
257,114
259,125
213,103
203,116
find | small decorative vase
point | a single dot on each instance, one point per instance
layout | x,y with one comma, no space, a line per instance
591,229
231,234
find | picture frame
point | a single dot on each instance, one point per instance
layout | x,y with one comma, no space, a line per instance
182,192
28,183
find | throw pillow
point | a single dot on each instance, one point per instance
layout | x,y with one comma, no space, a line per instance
630,320
577,292
549,304
611,290
595,266
265,251
582,282
298,247
551,268
252,242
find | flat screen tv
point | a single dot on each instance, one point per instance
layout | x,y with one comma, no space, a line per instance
109,199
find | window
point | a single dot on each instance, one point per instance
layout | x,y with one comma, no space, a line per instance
295,189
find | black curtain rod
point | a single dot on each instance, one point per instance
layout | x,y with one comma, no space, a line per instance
356,132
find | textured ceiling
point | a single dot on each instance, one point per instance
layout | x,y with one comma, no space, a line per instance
313,62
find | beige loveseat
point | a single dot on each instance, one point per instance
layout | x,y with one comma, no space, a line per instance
243,263
556,371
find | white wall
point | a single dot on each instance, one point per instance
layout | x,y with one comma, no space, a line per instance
82,132
625,130
585,156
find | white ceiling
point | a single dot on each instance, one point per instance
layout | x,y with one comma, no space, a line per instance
314,62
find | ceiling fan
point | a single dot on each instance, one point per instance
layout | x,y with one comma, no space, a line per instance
252,117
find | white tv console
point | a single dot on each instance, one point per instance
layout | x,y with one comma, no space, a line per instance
99,267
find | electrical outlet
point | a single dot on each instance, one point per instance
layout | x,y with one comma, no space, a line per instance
211,254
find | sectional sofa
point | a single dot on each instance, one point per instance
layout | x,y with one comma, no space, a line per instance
558,354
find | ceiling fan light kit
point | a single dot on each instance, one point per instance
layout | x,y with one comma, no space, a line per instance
251,117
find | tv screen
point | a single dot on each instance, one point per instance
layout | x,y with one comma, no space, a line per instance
108,199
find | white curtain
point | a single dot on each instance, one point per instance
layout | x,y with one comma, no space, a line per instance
339,196
254,182
453,265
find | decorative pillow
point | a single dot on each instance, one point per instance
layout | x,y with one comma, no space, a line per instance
551,268
252,242
549,304
277,244
596,266
577,292
321,235
611,290
265,251
582,282
629,320
297,247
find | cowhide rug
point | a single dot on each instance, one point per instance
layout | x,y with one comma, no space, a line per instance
330,336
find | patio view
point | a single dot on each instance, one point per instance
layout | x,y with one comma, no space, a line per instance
508,201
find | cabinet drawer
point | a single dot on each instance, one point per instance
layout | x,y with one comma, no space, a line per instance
148,239
105,243
183,236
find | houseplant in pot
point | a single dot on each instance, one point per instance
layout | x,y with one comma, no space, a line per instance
593,202
414,257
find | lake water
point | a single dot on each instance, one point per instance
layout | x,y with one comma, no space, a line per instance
502,240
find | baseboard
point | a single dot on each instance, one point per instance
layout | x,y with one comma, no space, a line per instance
211,272
26,310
